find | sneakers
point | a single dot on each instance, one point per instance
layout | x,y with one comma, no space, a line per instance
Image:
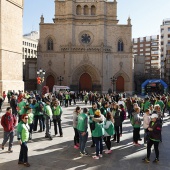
100,155
108,151
2,147
27,164
84,154
93,145
136,144
50,138
147,160
10,150
20,162
95,157
76,147
78,144
156,160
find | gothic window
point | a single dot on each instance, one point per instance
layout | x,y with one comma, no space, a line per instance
86,10
78,10
50,44
120,45
93,10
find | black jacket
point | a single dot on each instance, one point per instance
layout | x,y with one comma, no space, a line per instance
156,133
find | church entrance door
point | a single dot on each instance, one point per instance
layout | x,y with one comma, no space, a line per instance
50,82
120,84
85,82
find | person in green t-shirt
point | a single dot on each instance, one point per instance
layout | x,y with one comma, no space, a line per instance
30,121
57,112
23,137
82,126
98,133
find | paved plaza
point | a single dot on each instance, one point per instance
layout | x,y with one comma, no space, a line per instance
59,153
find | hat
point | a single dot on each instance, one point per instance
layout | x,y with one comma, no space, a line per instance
154,115
97,113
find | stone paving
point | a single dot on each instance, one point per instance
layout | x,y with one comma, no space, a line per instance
59,153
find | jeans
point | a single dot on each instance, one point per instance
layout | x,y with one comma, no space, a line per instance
48,127
31,128
76,136
107,142
10,136
57,121
99,145
149,145
117,134
41,122
35,122
83,140
136,134
23,156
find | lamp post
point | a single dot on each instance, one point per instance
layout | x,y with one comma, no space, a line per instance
40,76
113,81
60,79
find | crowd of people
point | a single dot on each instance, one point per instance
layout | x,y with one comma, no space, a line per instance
104,119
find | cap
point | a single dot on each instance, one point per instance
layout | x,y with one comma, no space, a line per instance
154,115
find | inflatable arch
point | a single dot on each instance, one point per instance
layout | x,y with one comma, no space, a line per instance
154,81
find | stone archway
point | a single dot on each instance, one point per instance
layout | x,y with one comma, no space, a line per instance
85,82
120,84
50,81
85,71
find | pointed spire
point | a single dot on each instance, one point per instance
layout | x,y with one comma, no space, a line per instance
42,19
115,1
129,21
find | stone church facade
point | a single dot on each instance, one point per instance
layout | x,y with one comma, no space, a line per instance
11,12
87,47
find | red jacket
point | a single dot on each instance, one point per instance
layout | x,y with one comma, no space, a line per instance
8,122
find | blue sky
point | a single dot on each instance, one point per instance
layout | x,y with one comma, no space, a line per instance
146,15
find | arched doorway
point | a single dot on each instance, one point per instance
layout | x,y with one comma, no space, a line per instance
85,82
50,82
120,84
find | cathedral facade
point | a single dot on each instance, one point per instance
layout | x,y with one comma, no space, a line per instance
86,47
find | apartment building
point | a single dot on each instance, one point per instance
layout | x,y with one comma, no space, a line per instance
29,48
165,50
148,47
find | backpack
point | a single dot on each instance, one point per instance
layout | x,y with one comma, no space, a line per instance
132,120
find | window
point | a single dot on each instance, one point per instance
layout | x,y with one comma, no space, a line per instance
168,29
141,54
93,10
141,49
120,45
147,49
28,50
147,54
78,10
141,45
147,45
86,10
50,44
23,43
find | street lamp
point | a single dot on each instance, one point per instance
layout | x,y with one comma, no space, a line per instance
40,76
113,81
60,79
